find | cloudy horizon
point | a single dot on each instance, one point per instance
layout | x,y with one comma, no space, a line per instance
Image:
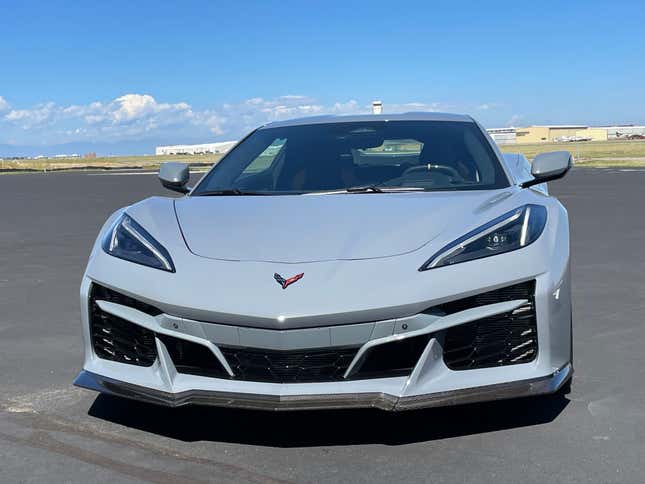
135,123
142,118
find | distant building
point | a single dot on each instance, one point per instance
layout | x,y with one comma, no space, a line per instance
202,149
73,155
624,132
557,133
503,136
593,134
548,134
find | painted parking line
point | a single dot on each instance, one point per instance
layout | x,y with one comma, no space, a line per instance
124,173
135,173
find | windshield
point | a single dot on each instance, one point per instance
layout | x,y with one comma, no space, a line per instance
367,156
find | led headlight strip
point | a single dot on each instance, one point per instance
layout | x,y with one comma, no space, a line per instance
130,241
511,231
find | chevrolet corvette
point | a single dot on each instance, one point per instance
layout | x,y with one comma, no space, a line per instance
389,261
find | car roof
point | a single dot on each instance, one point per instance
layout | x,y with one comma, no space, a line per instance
412,116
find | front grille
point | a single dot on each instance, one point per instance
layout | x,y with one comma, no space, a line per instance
119,340
505,339
301,366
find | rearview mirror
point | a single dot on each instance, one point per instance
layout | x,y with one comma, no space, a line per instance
174,176
549,166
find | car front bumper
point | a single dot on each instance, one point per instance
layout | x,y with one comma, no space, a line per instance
431,383
316,315
523,388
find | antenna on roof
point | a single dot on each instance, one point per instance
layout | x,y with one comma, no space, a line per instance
377,107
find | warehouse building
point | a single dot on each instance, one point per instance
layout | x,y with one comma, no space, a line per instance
503,136
593,134
624,132
202,149
547,134
564,133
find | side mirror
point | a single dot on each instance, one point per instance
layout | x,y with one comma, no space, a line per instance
174,176
549,166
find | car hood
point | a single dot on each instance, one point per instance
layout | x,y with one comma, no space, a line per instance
316,228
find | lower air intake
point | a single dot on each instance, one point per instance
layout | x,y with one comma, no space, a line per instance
505,339
119,340
397,358
192,358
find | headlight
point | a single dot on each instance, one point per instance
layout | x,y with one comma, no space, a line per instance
513,230
128,240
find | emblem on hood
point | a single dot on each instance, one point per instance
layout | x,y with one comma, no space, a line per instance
287,282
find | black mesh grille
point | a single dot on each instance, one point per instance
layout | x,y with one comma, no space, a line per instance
524,290
299,366
119,340
506,339
193,358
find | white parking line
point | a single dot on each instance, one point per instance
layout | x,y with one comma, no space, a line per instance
124,173
135,173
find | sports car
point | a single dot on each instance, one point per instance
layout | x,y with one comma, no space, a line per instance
389,261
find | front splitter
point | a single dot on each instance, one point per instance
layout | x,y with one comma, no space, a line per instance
521,388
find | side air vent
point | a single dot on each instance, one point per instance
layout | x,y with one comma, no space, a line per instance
505,339
119,340
102,293
525,290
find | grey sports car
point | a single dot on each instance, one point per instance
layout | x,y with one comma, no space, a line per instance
389,261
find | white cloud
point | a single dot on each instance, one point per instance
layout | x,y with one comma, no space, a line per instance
4,105
349,107
38,116
413,106
490,106
137,106
515,120
139,116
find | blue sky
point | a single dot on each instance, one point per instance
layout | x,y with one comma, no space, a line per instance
124,76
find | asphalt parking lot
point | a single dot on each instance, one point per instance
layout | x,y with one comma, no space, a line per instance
51,431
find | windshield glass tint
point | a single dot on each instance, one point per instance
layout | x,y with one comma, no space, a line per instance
428,155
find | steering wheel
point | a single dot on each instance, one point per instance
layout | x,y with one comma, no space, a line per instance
432,167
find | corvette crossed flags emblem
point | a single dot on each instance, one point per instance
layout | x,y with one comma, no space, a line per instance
287,282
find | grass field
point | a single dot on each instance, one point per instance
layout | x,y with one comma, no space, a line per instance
590,153
112,162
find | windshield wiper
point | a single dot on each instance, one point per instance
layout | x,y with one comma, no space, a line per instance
380,189
226,192
369,188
